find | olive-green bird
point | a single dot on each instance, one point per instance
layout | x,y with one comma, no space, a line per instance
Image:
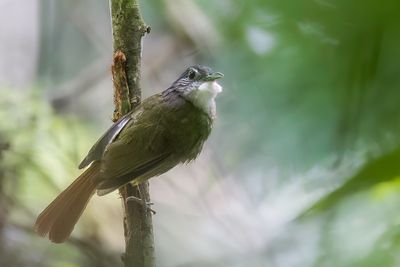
164,130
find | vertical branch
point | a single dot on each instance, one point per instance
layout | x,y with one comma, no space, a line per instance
128,29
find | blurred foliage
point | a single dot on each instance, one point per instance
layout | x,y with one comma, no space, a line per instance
41,155
383,171
307,125
327,66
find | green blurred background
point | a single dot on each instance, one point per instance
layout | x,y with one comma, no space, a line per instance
303,165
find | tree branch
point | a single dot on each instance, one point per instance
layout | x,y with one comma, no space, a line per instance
128,29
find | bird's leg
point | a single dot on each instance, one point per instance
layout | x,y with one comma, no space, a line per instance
146,205
141,200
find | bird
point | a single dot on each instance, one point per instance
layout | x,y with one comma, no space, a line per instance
166,129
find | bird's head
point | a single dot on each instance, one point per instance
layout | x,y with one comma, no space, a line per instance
198,85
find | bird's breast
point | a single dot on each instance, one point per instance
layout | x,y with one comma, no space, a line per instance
188,128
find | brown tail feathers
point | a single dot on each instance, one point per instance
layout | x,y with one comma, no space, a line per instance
59,218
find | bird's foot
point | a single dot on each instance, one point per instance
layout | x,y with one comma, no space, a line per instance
146,205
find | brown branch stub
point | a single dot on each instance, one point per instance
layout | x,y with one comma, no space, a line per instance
121,90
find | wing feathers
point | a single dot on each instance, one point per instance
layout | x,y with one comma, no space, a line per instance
110,185
98,149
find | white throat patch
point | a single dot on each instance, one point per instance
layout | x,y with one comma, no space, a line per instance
204,97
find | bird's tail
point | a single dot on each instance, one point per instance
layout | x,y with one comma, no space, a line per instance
59,218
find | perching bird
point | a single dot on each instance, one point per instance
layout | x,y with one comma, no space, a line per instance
164,130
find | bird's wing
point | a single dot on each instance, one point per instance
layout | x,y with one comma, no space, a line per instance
98,149
109,185
142,149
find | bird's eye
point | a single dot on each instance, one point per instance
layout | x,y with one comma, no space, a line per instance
192,74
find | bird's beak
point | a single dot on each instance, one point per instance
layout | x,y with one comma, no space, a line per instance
214,76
